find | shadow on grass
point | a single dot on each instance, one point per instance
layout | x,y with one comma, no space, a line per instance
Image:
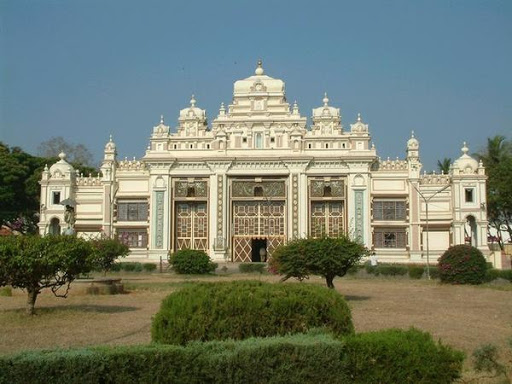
63,309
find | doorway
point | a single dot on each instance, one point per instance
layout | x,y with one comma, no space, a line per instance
259,250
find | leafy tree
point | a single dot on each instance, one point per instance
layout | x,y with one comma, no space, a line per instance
444,165
107,251
20,174
75,153
326,256
497,159
34,263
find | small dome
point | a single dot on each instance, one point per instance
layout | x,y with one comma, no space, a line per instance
412,142
192,111
110,146
61,168
465,163
326,110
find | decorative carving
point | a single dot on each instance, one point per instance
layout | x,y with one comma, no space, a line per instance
269,188
295,205
131,165
392,165
183,189
318,188
435,179
359,222
159,213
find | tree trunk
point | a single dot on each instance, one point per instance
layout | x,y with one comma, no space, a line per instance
31,300
328,280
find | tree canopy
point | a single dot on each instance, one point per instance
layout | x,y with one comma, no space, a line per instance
326,256
497,159
444,165
34,263
20,174
76,153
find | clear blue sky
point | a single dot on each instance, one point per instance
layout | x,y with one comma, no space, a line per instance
83,69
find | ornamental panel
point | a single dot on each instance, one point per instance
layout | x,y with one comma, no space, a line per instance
191,189
322,188
191,226
260,189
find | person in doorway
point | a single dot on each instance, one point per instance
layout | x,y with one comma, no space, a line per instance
263,254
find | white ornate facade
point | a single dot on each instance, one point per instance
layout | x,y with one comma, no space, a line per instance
259,176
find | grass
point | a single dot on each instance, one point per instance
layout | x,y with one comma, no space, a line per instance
465,317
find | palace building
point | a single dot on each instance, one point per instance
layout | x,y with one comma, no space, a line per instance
259,176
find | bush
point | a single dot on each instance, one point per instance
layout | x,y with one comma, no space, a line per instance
434,272
415,271
462,264
131,266
392,269
6,291
149,267
371,269
397,356
252,267
404,357
243,309
191,262
493,274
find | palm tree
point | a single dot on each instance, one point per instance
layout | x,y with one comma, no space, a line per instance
444,165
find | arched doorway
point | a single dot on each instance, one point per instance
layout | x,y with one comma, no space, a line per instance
54,226
470,231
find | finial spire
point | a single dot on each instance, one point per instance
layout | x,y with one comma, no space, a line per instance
412,133
259,70
110,138
358,117
193,101
465,148
161,119
326,99
295,108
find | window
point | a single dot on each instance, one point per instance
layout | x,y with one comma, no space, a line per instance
309,145
132,211
390,238
56,198
133,238
468,195
244,140
326,145
272,139
207,146
259,140
389,210
327,191
191,192
258,191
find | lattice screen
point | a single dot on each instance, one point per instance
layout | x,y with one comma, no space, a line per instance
191,226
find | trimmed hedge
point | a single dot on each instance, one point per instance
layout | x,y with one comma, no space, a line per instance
394,356
191,262
416,271
492,274
462,264
252,267
242,309
392,269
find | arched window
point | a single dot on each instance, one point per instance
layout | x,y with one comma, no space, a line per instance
327,191
191,192
54,226
258,191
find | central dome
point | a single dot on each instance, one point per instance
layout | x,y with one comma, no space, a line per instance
258,83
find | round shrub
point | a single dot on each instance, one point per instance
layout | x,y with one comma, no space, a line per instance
149,267
191,262
462,264
242,309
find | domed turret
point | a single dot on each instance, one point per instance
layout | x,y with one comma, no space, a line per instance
412,143
465,163
326,110
192,112
62,168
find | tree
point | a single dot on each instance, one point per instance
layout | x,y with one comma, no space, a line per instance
497,159
34,263
20,174
444,165
107,251
75,153
326,256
